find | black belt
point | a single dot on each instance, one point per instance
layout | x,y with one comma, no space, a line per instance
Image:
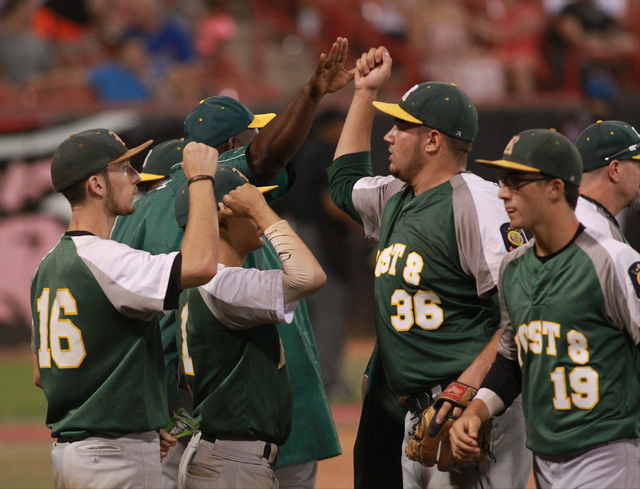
265,454
418,402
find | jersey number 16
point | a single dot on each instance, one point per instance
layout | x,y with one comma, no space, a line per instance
54,331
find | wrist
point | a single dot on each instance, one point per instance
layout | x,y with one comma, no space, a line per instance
313,93
366,93
264,216
201,178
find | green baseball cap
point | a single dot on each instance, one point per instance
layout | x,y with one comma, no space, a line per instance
227,179
542,151
157,165
216,119
86,153
441,106
605,141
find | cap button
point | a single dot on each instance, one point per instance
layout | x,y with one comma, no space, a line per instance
453,85
599,122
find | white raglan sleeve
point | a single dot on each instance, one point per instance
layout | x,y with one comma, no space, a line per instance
617,266
136,282
482,229
370,195
242,298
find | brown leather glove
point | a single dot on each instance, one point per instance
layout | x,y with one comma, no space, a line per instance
430,442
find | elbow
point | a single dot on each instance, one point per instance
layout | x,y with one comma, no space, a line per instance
198,275
315,282
206,272
318,280
36,379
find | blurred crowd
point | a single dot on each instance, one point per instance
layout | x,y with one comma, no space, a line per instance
123,51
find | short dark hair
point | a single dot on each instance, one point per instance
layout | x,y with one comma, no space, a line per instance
458,148
77,194
571,194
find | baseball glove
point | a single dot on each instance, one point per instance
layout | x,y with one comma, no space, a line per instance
430,442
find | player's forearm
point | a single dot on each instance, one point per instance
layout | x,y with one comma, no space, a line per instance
477,371
36,370
303,275
200,243
279,140
477,407
356,134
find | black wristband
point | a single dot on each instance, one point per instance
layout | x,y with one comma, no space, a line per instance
201,177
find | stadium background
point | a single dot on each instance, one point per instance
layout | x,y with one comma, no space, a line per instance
54,55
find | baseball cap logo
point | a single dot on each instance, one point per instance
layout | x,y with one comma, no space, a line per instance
240,173
412,89
111,133
509,149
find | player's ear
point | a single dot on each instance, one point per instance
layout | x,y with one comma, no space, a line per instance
613,171
431,140
97,185
555,189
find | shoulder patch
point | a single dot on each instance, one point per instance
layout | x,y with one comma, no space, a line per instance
634,273
512,237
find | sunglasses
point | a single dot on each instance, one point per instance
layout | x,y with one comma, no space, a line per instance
515,182
631,148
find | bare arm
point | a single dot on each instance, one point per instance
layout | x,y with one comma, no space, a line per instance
36,370
372,70
303,274
200,244
464,432
475,373
279,140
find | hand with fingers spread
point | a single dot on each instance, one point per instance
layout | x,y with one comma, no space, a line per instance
373,68
330,75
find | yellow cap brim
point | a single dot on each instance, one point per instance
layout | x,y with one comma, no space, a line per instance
508,164
132,152
636,157
150,177
260,120
266,189
395,111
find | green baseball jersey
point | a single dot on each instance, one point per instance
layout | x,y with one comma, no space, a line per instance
439,254
593,215
153,227
232,355
571,321
94,303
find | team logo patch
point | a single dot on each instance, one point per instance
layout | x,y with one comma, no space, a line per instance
512,237
634,273
404,97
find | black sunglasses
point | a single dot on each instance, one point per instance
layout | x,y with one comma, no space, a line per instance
514,182
631,148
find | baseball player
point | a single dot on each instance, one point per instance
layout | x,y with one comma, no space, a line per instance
570,318
94,302
610,152
157,165
263,159
441,234
231,352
